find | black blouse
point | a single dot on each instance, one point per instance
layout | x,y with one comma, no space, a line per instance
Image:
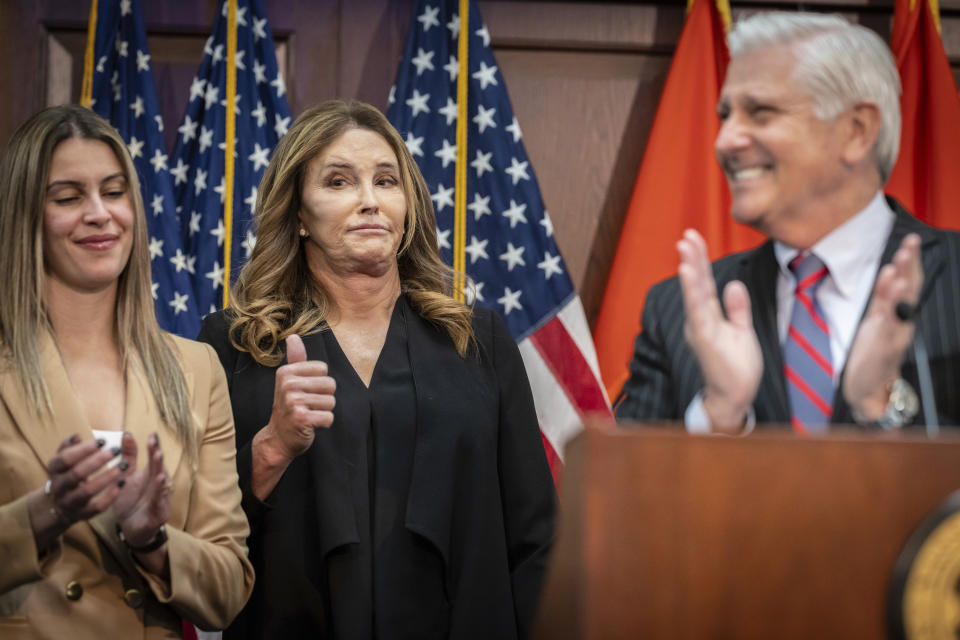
382,419
425,512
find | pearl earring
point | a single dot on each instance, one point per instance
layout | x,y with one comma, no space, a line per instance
303,232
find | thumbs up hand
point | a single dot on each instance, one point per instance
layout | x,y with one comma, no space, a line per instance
303,401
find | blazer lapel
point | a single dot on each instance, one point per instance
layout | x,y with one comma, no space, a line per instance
142,418
44,431
760,276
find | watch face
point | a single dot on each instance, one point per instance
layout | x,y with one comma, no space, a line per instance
904,399
925,594
902,405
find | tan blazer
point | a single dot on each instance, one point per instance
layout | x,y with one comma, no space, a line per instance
88,585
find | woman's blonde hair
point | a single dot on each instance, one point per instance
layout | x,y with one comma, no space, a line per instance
275,294
24,174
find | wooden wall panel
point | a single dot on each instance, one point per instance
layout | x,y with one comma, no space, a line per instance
311,29
22,50
584,25
585,117
372,36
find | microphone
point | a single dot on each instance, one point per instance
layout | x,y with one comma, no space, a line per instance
907,312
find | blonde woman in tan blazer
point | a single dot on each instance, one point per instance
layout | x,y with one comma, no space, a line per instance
119,504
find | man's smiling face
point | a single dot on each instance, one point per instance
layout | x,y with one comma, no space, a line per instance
780,159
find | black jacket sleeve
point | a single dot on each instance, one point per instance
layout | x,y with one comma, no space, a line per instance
650,393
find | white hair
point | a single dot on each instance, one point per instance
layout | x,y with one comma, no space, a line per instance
839,63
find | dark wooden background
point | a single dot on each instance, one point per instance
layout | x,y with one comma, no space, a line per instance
584,78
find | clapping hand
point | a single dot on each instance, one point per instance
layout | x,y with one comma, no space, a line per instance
78,487
726,347
143,504
74,488
882,338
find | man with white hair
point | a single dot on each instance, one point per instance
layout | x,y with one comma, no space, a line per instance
808,331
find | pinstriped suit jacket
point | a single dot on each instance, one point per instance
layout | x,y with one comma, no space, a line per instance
665,375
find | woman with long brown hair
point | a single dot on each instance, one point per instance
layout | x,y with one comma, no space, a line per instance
119,508
421,505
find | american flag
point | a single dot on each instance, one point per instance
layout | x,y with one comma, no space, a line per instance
262,118
122,91
510,252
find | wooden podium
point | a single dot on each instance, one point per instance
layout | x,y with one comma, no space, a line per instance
667,535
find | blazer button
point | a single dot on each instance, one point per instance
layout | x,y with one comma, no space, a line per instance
133,598
74,590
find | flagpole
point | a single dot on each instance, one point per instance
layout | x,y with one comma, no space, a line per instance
230,141
723,10
460,183
935,13
86,90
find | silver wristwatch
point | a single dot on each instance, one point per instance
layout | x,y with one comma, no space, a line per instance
902,407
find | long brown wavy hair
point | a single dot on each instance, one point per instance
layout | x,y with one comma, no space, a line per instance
24,173
275,294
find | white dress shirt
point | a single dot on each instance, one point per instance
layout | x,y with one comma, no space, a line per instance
852,255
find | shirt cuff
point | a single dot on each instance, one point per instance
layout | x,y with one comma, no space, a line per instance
697,422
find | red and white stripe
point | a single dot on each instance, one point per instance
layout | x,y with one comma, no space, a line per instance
562,367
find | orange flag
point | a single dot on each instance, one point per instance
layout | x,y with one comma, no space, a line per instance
679,186
925,176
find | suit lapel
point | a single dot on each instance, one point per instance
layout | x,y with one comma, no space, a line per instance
760,271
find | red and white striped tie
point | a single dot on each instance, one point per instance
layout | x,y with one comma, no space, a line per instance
806,352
